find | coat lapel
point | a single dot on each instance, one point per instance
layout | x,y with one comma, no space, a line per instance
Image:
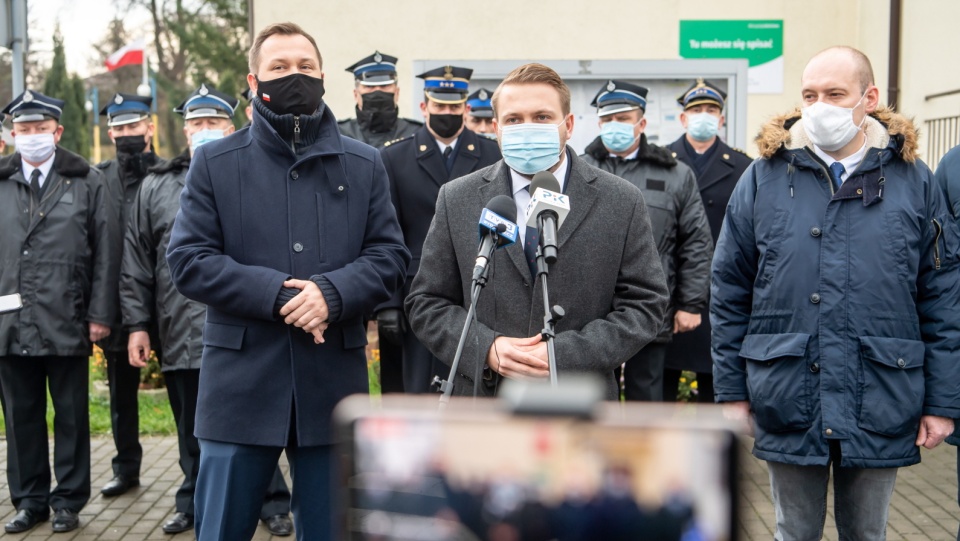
468,154
718,168
582,194
429,157
499,183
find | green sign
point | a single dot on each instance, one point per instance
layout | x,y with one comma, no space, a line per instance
760,42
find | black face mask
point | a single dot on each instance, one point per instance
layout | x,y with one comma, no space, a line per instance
379,112
295,94
130,144
446,126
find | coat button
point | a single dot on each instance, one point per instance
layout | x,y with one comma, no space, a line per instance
901,363
859,191
340,188
24,352
297,247
26,252
815,367
815,231
815,298
294,175
710,202
828,432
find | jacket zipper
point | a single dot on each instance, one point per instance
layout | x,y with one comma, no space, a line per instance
936,244
296,130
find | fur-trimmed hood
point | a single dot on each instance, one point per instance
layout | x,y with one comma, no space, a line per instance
786,132
648,152
65,163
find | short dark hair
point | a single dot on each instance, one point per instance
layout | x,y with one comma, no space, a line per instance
535,73
279,29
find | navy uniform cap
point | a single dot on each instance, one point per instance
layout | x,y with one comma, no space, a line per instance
702,92
480,104
126,109
375,70
447,84
206,102
618,96
33,106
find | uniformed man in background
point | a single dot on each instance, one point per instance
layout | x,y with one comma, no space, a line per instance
718,168
148,299
418,166
479,117
59,249
131,130
676,215
377,94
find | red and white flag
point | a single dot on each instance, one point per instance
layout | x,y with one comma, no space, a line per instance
131,53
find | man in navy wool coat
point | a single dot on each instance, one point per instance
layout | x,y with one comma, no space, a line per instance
286,232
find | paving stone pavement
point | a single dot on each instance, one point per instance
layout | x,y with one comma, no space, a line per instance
924,504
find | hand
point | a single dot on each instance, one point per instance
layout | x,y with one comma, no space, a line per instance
739,411
391,325
933,430
519,358
138,348
685,321
307,310
98,332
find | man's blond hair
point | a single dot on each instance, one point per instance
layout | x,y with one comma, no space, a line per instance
535,74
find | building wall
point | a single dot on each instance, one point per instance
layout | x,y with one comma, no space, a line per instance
528,30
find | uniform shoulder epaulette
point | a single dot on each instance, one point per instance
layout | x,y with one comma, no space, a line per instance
388,143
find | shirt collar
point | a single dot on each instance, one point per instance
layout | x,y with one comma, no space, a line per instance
521,182
44,168
631,156
443,146
850,163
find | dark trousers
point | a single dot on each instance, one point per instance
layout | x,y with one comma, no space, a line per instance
233,476
182,387
24,381
671,384
643,374
124,413
391,367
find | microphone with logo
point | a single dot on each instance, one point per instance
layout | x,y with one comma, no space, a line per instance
547,209
497,228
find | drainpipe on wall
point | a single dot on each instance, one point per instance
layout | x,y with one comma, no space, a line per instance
893,72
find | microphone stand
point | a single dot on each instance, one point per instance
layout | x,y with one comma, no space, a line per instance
550,314
446,386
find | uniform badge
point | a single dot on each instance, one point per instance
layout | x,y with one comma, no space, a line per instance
611,87
118,99
203,90
726,156
423,148
448,72
378,58
482,95
27,96
470,148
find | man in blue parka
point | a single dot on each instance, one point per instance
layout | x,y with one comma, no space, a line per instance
287,233
834,304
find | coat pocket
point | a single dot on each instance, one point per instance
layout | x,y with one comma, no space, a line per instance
778,380
891,385
223,336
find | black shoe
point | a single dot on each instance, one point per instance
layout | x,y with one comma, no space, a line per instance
65,520
180,522
119,485
24,520
279,525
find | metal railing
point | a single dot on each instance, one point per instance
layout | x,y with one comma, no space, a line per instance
942,134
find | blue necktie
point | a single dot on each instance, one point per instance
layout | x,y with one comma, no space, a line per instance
447,153
530,241
836,170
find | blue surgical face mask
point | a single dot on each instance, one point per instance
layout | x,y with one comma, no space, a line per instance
617,136
530,148
203,137
703,126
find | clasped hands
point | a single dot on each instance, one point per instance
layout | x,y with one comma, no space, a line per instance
307,310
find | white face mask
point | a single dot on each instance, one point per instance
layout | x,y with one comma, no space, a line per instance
35,148
831,127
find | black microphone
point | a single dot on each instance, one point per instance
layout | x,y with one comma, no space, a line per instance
497,229
547,209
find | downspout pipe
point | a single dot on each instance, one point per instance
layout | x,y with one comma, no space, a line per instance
893,71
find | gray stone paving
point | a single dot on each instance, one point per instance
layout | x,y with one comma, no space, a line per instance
924,504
